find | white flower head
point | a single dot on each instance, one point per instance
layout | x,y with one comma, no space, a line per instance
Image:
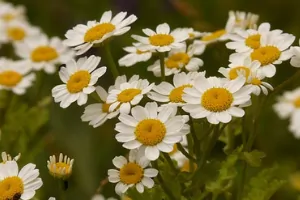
180,59
134,56
101,197
132,172
60,168
125,94
172,93
151,129
96,114
244,20
44,53
78,80
216,99
294,53
15,184
161,40
83,37
193,34
6,157
15,76
255,81
9,12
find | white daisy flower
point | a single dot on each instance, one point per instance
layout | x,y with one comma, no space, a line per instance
62,168
44,53
101,197
244,20
162,39
6,157
180,59
126,94
150,129
97,114
9,12
254,80
135,55
216,99
15,76
288,104
294,53
193,34
172,93
83,37
133,172
17,31
79,79
18,185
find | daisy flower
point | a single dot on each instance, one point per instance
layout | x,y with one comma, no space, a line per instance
162,39
134,172
83,37
216,99
126,94
135,55
172,93
79,79
180,59
193,34
96,114
17,31
295,56
15,184
15,76
254,80
62,168
151,130
6,157
244,20
101,197
9,12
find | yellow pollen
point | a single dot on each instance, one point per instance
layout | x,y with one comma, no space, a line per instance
175,149
161,39
98,31
11,188
105,107
255,81
8,17
10,78
216,99
176,94
150,132
131,173
44,54
266,55
234,72
297,102
186,166
253,41
16,33
78,81
177,60
128,95
214,35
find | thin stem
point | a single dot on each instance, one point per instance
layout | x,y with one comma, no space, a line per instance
196,148
111,63
242,181
185,153
170,162
162,65
285,83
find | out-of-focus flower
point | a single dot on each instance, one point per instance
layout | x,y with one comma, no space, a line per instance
62,168
6,157
244,20
9,12
193,34
295,54
135,55
101,197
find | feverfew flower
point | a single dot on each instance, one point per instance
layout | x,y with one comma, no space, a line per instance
9,12
125,94
83,37
162,39
79,79
216,99
151,129
135,55
18,185
97,114
6,157
15,76
44,53
134,172
254,80
62,168
193,34
101,197
244,20
172,94
295,54
180,59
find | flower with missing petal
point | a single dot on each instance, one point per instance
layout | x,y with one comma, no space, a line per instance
62,168
9,12
134,56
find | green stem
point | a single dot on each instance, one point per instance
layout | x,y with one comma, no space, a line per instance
111,63
170,162
162,65
185,153
285,83
196,143
215,196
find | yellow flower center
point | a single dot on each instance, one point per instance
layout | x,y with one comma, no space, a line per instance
105,107
216,99
177,60
213,36
8,17
10,78
191,35
131,173
16,33
266,55
175,149
234,72
253,41
150,132
44,54
297,102
176,94
11,188
60,170
255,81
98,31
78,81
128,95
186,166
161,40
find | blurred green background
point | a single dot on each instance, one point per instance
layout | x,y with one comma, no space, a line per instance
93,149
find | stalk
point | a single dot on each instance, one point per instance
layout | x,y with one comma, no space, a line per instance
111,63
162,65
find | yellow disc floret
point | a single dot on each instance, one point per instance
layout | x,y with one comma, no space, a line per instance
177,60
176,94
78,81
11,188
255,81
127,95
161,40
16,33
131,173
234,72
253,41
266,55
43,54
98,31
10,78
217,99
297,102
213,36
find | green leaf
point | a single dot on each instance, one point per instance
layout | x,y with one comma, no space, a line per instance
253,158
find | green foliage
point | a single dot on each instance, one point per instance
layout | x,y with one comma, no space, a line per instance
253,158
